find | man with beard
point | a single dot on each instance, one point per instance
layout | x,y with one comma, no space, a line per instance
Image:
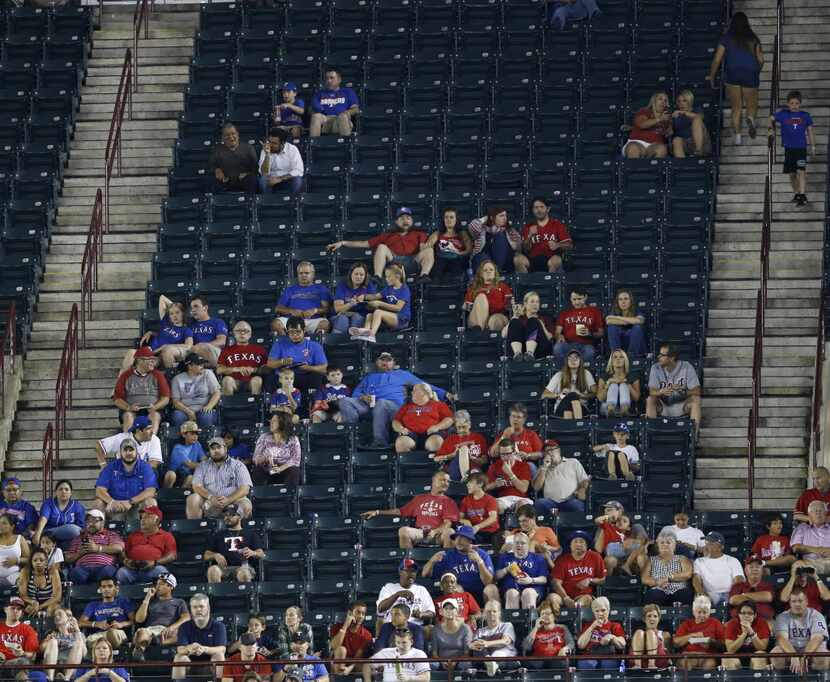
544,241
218,482
125,485
563,482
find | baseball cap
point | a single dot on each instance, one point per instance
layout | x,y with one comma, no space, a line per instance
579,534
155,511
386,355
622,427
247,639
290,85
11,480
754,559
299,636
169,578
215,440
449,604
96,513
189,427
714,536
408,564
551,443
574,351
232,509
613,504
464,532
144,352
194,359
129,443
142,421
16,601
403,210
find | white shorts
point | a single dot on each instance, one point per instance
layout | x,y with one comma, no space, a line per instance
642,143
310,325
509,502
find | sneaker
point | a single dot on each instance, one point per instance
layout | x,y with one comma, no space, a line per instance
358,331
750,123
738,139
529,357
369,339
802,200
492,668
796,198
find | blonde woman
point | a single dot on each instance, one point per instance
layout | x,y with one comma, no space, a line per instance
618,390
174,339
600,636
65,644
691,138
571,388
528,333
103,666
649,136
651,641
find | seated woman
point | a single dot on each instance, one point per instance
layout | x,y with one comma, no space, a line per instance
39,585
277,453
65,644
748,633
701,634
102,659
549,640
528,333
172,341
691,138
463,453
390,308
453,247
651,641
422,421
350,303
291,625
571,388
451,636
61,516
618,390
601,636
649,136
494,239
494,639
667,575
625,326
487,299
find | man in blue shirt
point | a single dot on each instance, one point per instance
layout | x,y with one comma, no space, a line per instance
472,566
110,616
381,394
522,576
200,639
307,300
333,107
306,357
313,671
23,511
125,485
209,333
796,130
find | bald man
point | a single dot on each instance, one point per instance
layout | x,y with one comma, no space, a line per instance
820,491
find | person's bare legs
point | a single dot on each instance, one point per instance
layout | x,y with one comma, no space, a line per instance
315,127
697,135
380,317
479,312
651,407
657,151
521,263
555,263
576,408
425,260
733,96
382,256
496,322
678,149
529,598
491,593
127,419
634,151
404,444
193,506
801,179
750,99
344,124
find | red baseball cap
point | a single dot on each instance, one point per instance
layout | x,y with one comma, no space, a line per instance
144,352
551,443
155,511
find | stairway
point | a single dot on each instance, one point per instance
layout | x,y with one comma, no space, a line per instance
793,289
135,200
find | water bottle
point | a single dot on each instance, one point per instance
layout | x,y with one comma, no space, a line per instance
622,666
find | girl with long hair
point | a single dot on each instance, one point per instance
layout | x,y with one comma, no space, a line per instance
350,303
571,388
487,299
617,390
452,246
495,239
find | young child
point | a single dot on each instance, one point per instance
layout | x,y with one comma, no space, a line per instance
288,114
184,458
617,540
773,547
391,308
690,542
236,448
325,399
480,510
53,552
287,398
623,460
796,131
266,645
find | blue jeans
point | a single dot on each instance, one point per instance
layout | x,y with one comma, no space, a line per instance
128,576
631,339
203,419
562,348
65,533
352,409
498,250
340,323
581,9
294,185
83,575
619,397
604,664
572,504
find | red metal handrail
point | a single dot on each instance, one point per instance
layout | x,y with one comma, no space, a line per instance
818,388
141,19
93,253
47,462
112,155
67,372
8,341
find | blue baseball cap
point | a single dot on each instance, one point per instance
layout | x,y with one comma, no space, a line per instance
140,422
289,85
12,479
464,532
580,534
403,210
408,564
622,427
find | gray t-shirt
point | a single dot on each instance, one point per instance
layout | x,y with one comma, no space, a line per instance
451,644
682,379
164,611
562,481
800,630
501,630
194,391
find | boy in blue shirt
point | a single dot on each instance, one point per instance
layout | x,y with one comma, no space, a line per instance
796,130
324,406
288,114
287,398
108,617
184,458
333,107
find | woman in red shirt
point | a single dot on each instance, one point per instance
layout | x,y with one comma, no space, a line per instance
602,636
748,633
701,634
548,639
651,640
652,128
420,423
488,299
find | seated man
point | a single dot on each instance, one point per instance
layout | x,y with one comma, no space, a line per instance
544,241
233,163
577,327
309,301
125,485
148,550
18,640
201,639
406,591
281,167
305,357
673,387
94,553
803,577
407,664
242,365
509,478
575,574
401,245
563,482
218,482
109,616
800,630
472,566
527,441
819,491
246,661
159,616
22,510
754,590
434,515
812,539
149,445
716,572
522,576
350,639
232,550
142,388
210,334
333,107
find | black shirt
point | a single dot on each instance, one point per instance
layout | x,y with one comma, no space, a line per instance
229,543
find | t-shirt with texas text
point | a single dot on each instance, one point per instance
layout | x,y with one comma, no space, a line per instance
533,565
477,510
430,511
800,630
552,232
464,569
243,355
419,418
170,333
571,572
207,330
590,316
117,610
22,634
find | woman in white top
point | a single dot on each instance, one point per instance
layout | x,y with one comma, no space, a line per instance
493,639
14,551
571,387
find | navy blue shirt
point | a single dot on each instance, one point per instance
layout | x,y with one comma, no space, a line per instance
305,297
124,485
214,634
204,332
102,678
386,637
464,569
343,292
23,511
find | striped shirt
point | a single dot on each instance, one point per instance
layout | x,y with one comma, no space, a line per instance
93,559
223,479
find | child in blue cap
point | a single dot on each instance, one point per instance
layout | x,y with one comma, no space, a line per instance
288,114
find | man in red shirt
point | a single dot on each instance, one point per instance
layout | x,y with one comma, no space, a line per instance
246,660
434,512
242,365
143,387
575,574
401,245
463,452
350,639
147,551
754,589
803,577
527,441
509,478
820,491
18,641
480,510
577,327
465,603
544,241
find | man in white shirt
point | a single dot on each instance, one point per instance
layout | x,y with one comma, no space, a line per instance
149,445
281,167
407,665
406,591
716,572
